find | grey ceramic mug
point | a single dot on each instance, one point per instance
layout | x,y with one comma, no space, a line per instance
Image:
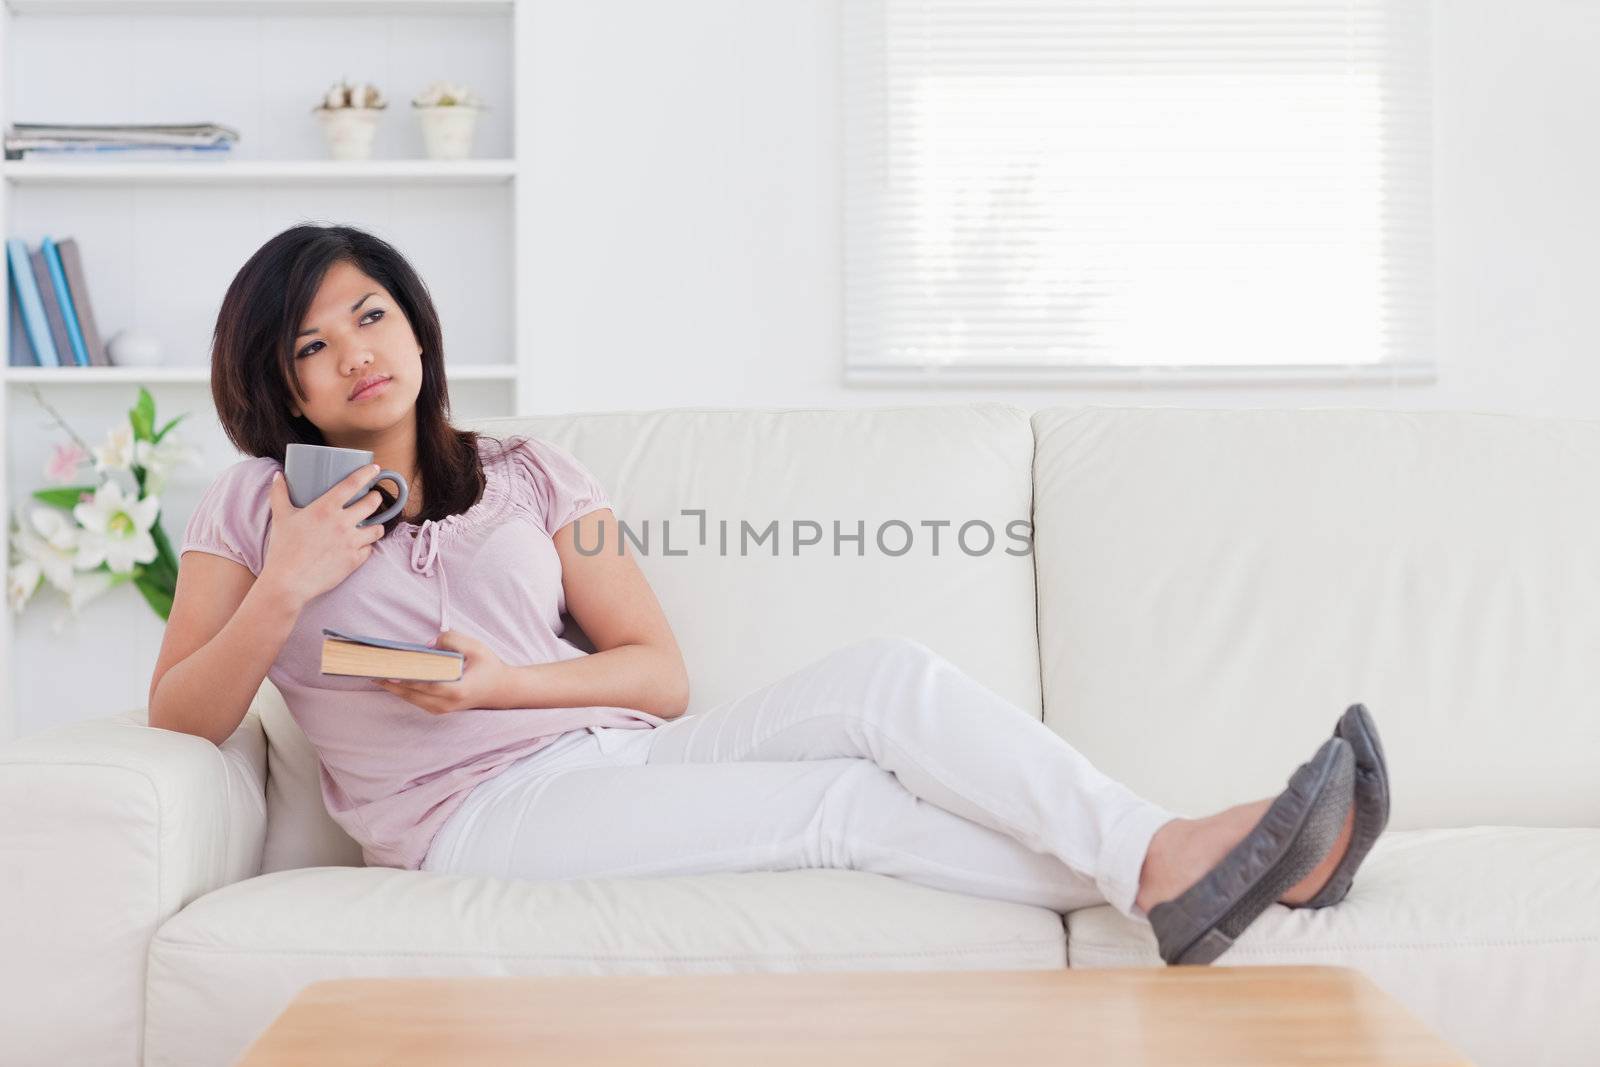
311,470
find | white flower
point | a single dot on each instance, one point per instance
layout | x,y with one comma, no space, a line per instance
116,530
87,585
117,453
343,94
53,526
51,545
446,94
159,459
22,580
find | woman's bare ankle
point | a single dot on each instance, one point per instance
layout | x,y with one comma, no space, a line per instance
1183,850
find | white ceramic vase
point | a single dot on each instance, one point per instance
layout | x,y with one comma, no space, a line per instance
134,348
349,131
447,132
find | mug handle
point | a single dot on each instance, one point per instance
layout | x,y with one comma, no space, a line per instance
394,509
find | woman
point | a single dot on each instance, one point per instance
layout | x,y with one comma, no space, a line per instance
548,762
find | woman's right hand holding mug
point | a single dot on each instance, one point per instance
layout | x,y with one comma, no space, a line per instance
312,549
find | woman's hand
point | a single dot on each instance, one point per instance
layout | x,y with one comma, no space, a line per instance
483,679
312,549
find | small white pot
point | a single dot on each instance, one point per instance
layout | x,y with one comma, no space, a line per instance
134,348
349,131
447,132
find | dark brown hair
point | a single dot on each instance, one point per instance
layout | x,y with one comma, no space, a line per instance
252,359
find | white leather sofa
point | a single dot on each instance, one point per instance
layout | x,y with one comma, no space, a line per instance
1207,591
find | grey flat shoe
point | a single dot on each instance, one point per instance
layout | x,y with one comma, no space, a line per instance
1372,802
1294,835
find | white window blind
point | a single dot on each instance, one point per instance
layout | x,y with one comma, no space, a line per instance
1064,189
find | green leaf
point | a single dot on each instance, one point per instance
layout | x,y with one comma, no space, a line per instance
65,496
167,427
156,594
143,415
167,557
158,570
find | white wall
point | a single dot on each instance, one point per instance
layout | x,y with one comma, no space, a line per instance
690,241
687,170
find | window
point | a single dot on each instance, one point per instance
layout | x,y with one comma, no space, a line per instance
1082,190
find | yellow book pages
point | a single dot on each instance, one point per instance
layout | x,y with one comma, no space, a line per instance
365,661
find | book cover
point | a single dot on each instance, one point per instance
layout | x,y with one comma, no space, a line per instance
362,656
33,320
80,354
47,297
19,351
78,285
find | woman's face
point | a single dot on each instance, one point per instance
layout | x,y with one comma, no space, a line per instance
354,331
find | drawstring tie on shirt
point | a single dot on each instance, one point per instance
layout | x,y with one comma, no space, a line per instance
424,553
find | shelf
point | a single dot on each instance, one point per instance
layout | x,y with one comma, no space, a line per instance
232,171
260,7
201,375
212,53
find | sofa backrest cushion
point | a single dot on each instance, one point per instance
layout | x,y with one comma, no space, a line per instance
1216,587
744,617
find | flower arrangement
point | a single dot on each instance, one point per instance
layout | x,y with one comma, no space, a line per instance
91,538
449,116
448,113
348,115
342,95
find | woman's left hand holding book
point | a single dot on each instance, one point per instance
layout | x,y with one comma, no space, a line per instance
484,680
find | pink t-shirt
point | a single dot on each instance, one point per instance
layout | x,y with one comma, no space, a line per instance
391,772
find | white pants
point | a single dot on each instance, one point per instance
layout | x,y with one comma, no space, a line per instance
882,756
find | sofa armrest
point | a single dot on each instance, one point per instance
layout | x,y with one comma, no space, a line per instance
107,828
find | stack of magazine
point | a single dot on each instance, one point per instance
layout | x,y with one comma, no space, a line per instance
118,142
50,313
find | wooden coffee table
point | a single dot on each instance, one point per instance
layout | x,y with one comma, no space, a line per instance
1233,1016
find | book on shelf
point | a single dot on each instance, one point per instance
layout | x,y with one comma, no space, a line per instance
51,298
118,141
78,287
17,343
47,297
20,269
381,657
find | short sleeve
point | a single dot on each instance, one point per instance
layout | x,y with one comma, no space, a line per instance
555,486
233,515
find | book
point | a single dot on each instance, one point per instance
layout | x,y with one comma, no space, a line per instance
47,297
80,354
78,285
33,318
21,353
380,657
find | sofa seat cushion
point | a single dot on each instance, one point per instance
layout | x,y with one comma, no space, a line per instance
225,966
1489,934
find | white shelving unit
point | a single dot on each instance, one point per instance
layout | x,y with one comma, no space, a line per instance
160,241
221,172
